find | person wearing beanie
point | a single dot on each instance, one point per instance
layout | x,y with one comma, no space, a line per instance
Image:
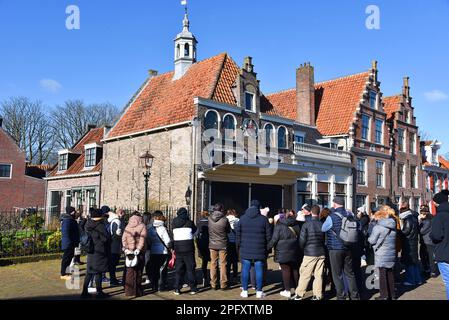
253,233
409,238
440,236
105,210
340,255
97,260
70,240
184,247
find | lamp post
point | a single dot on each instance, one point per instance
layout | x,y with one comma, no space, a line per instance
146,162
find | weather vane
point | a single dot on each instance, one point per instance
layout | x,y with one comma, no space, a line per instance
184,3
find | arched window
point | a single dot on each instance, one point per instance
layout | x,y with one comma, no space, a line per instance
229,127
269,130
250,128
186,50
211,121
282,138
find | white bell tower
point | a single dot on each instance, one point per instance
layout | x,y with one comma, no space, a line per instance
185,49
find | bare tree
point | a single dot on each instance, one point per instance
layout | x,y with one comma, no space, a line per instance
424,135
70,120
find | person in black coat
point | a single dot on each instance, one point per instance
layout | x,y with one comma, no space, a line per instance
253,233
97,259
286,251
81,224
425,226
410,238
202,243
70,240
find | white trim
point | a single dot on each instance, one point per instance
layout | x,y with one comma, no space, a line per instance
130,135
253,102
92,145
235,125
286,137
10,171
64,151
217,105
277,119
70,176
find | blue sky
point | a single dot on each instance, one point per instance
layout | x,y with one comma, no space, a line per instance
108,58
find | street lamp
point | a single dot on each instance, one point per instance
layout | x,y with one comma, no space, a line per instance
146,162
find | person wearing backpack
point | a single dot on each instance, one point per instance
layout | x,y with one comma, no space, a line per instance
383,240
98,247
286,251
311,240
160,243
115,229
70,240
341,232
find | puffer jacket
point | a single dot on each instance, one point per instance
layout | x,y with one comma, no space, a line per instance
219,228
425,226
202,238
116,232
134,234
70,232
183,231
409,238
383,239
333,242
98,261
311,239
156,233
253,233
285,241
233,220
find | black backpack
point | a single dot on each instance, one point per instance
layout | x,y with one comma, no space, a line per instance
86,243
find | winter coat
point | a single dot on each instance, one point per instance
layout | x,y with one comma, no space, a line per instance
383,239
202,238
70,232
253,233
115,228
409,238
334,242
219,228
311,239
440,233
156,233
425,226
183,231
98,261
134,234
233,220
285,241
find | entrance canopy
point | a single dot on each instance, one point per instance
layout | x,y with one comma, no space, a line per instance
284,174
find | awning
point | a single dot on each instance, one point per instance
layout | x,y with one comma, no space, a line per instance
284,174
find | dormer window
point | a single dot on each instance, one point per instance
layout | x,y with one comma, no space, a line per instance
63,161
250,101
373,99
91,156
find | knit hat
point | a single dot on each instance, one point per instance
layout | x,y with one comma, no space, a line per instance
182,211
440,198
255,203
105,210
339,200
70,210
96,213
361,209
306,207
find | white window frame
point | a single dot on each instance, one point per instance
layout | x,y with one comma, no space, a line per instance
404,140
366,172
66,164
286,137
413,147
253,103
383,174
273,141
95,157
375,99
10,171
368,138
300,134
218,120
416,182
402,185
381,131
235,125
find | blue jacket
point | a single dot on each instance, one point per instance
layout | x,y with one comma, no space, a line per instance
253,233
70,232
332,227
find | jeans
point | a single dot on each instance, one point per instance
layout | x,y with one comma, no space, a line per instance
413,274
246,267
444,270
341,265
433,265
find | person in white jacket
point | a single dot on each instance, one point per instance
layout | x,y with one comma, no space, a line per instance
160,248
232,257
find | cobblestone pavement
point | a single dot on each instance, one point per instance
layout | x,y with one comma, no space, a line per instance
40,280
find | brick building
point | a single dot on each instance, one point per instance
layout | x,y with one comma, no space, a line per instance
407,177
21,185
171,114
76,179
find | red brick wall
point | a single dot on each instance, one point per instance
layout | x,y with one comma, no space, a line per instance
20,191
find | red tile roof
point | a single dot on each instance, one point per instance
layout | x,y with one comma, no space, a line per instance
392,105
93,136
164,101
336,101
444,163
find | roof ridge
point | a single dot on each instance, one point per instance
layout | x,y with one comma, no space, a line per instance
279,92
342,77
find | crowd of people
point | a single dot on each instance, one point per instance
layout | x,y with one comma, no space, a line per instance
326,246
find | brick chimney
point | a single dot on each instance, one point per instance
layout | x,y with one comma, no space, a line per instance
305,95
406,87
